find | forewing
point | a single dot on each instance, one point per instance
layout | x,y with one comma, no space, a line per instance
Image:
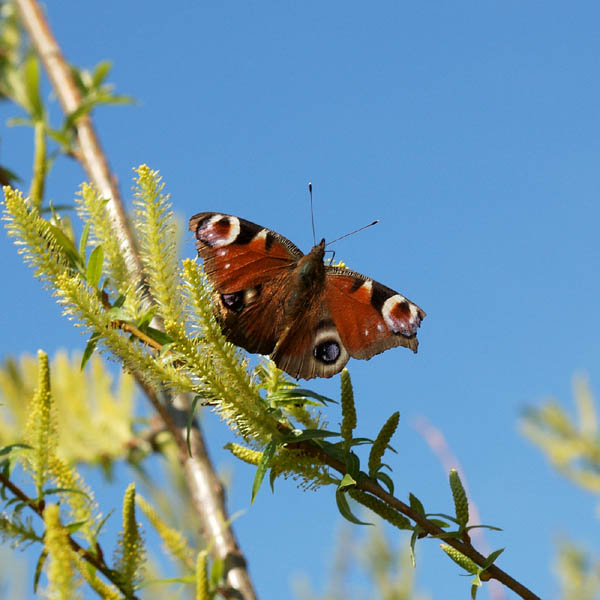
248,266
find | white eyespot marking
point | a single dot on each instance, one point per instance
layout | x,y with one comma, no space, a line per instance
227,266
380,326
221,252
367,286
218,230
401,315
260,236
366,334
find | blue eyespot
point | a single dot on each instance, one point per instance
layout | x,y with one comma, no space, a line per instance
327,352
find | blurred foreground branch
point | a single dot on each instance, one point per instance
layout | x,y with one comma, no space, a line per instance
205,488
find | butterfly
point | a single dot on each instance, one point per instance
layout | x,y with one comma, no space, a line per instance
310,317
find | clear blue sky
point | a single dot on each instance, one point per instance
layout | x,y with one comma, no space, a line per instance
472,131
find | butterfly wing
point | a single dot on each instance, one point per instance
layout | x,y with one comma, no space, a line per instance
353,316
370,317
247,265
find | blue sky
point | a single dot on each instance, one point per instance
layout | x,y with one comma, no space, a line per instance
472,131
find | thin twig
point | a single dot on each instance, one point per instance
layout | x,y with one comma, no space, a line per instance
202,481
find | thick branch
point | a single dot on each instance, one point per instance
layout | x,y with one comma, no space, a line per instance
204,486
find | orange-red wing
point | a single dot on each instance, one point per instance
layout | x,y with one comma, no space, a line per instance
238,254
369,316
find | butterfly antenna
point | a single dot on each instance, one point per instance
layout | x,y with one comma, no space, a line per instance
353,232
312,212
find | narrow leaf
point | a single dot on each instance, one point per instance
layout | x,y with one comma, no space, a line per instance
100,73
492,557
94,266
387,481
190,422
8,449
344,508
83,240
89,349
32,87
300,394
300,435
262,467
415,504
39,567
68,248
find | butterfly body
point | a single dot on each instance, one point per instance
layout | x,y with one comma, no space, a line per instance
310,317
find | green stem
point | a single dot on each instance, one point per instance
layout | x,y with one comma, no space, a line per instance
40,165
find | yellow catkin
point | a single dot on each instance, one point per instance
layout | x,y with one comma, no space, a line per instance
461,504
202,592
61,575
41,427
460,559
173,540
130,551
381,442
348,408
252,457
381,508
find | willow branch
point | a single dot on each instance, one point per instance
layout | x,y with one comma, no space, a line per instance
372,487
205,489
38,508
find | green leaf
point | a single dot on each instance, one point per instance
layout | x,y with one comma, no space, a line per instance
483,527
83,240
344,508
415,504
8,449
89,349
474,589
31,74
118,303
347,481
116,313
262,467
68,248
157,335
75,526
387,481
272,478
50,491
413,541
100,73
217,571
297,394
439,523
145,319
61,138
101,525
94,266
72,118
301,435
39,567
190,422
352,464
492,557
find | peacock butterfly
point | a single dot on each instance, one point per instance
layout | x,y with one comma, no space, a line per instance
309,316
